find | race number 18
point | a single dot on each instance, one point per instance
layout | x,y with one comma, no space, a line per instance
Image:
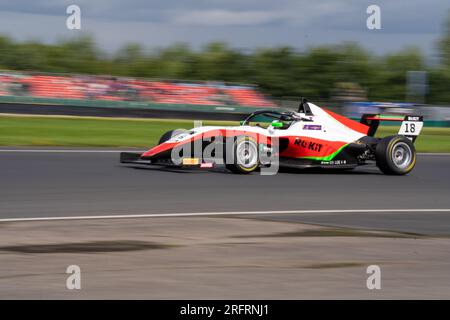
410,128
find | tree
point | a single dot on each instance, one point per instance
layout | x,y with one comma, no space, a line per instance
316,73
444,45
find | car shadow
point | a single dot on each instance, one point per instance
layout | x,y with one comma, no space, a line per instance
319,171
163,169
284,170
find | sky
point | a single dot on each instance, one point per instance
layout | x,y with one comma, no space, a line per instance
243,24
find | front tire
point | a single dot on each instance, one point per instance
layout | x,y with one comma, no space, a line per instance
169,134
395,155
245,156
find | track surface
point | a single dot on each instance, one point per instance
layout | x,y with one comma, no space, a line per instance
44,184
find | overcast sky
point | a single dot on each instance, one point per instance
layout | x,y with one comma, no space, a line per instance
244,24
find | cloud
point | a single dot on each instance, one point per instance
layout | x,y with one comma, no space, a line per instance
244,24
227,18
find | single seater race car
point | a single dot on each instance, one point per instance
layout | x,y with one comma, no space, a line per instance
312,137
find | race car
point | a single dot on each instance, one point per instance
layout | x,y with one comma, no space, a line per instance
311,137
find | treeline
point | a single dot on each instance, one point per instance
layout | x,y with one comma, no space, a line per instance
281,72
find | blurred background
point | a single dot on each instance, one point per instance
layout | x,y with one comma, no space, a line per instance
227,57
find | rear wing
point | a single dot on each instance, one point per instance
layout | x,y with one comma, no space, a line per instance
410,127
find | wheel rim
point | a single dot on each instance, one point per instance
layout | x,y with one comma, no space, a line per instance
401,155
247,154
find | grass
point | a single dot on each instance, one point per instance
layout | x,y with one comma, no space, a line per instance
430,140
96,132
101,132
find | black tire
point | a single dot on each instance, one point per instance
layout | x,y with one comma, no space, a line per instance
243,148
395,155
169,134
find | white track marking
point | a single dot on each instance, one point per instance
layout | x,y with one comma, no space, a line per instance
23,115
231,213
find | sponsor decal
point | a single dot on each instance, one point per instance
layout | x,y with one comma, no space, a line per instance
190,161
207,165
334,162
313,146
414,118
179,137
312,127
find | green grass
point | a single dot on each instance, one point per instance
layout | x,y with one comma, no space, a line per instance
97,132
71,131
430,140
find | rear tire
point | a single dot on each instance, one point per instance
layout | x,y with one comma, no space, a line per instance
395,155
169,134
245,156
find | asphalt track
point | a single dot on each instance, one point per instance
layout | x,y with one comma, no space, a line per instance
68,184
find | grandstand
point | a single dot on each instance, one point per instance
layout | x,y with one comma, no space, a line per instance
82,87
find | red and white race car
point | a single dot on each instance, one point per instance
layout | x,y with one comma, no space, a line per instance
311,137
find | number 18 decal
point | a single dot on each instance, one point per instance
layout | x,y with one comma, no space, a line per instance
410,128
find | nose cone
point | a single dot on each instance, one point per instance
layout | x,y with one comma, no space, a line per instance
158,149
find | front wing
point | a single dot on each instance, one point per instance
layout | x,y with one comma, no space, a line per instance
135,158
